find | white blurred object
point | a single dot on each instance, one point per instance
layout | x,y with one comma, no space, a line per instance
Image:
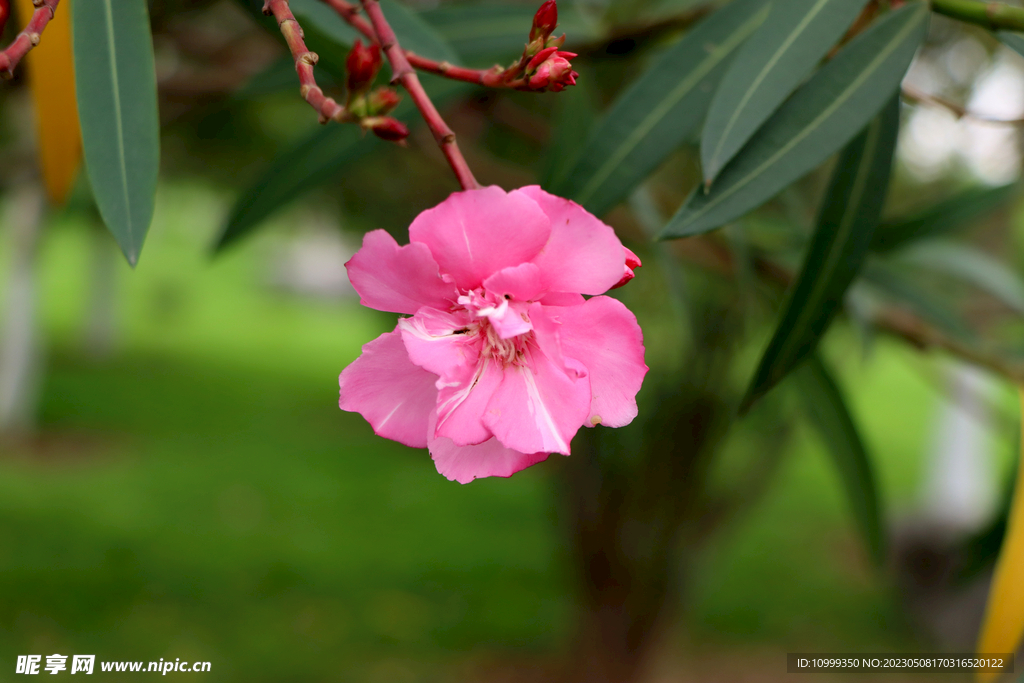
960,488
312,263
934,140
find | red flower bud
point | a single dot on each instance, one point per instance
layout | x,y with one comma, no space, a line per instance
387,128
544,21
383,100
550,69
5,11
363,63
632,263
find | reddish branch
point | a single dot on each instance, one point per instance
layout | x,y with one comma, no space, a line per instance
402,72
28,38
304,61
494,77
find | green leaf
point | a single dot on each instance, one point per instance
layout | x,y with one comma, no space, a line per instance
828,412
575,114
891,281
115,81
822,116
970,265
1012,40
302,167
659,111
417,35
848,217
943,218
767,69
313,161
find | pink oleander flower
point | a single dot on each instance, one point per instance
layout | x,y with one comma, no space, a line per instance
502,360
550,68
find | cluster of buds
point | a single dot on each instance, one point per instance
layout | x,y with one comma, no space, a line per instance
370,108
543,65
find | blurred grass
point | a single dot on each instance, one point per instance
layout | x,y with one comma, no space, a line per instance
199,495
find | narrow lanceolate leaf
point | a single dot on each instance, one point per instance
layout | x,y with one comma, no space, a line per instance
314,161
1003,626
824,404
659,111
768,68
848,217
822,116
51,75
945,217
116,84
971,265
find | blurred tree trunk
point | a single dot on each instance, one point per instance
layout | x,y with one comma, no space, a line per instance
19,334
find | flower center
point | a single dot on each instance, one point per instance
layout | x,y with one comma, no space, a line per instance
505,330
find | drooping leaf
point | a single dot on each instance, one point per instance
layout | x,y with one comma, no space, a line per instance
971,265
51,74
848,217
300,168
943,218
824,404
822,116
313,161
655,115
115,81
1003,625
767,69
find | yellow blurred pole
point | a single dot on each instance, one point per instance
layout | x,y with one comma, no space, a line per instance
1003,627
50,70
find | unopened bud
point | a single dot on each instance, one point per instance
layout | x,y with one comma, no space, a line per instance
387,128
632,263
362,64
383,100
5,11
550,69
544,21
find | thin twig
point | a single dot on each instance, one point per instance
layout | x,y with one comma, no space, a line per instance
28,38
402,72
325,106
912,94
489,78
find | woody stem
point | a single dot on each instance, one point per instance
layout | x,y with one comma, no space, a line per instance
304,61
28,38
402,72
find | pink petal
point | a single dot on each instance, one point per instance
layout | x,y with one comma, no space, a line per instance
441,342
394,396
475,233
583,254
397,279
488,459
462,400
522,282
538,407
604,336
562,299
547,325
510,319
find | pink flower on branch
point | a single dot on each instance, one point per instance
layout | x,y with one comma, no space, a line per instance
503,359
